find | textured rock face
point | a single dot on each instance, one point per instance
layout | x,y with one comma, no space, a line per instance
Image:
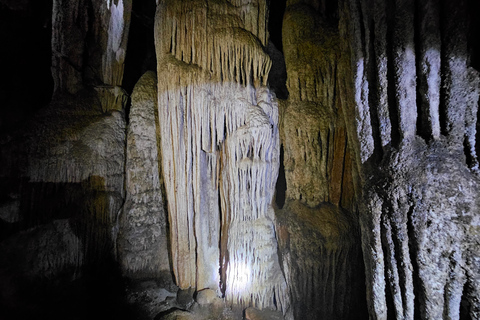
68,164
67,170
46,252
220,148
50,251
89,42
416,106
429,239
322,261
318,226
142,243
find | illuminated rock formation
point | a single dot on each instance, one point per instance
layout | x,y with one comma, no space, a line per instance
220,148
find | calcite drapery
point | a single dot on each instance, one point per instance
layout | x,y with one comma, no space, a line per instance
220,148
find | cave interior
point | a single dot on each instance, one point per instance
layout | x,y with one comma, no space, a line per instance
240,159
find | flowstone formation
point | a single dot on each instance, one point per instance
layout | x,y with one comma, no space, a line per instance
415,99
220,145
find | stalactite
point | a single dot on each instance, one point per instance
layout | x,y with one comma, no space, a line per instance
225,47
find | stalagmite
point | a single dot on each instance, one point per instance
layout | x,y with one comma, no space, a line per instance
220,148
142,240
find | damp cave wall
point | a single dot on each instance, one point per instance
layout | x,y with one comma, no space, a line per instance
377,129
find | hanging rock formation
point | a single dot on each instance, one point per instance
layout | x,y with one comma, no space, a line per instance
220,148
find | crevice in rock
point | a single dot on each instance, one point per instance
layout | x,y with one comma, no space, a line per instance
398,256
390,305
275,22
281,185
140,56
392,103
422,125
277,77
466,150
474,34
465,304
373,99
413,252
443,69
477,132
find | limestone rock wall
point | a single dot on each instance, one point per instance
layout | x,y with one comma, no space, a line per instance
219,129
318,159
68,164
415,100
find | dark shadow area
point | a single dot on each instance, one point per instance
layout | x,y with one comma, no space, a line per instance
465,305
275,22
26,83
388,289
477,133
392,102
141,44
373,98
473,8
57,260
277,77
326,271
